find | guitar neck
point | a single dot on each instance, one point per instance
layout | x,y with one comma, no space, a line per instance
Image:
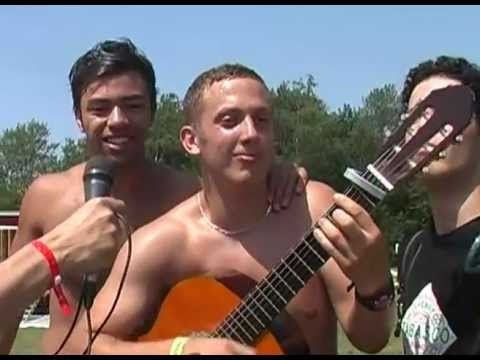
270,296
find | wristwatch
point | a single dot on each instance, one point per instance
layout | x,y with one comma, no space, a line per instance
381,300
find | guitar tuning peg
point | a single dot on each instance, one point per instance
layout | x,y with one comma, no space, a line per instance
459,138
442,155
447,129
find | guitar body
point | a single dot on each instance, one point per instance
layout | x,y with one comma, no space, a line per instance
200,304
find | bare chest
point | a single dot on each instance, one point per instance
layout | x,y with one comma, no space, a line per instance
297,315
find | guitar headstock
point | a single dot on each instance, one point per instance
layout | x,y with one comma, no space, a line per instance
448,111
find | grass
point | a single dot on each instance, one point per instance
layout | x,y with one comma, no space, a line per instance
28,341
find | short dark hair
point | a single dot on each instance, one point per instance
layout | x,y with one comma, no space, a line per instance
106,58
207,78
456,68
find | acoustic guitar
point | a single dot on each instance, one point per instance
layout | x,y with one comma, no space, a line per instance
204,306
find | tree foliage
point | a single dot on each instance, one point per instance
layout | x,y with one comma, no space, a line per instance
325,142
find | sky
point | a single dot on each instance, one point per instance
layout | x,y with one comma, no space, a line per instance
350,50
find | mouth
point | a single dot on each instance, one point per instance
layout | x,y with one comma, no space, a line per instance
116,142
246,156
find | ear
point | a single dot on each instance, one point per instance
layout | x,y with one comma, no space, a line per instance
189,139
79,122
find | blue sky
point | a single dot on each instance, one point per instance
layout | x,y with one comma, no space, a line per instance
348,49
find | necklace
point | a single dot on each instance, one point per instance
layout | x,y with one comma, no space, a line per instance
225,231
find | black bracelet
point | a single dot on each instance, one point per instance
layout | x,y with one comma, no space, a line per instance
381,300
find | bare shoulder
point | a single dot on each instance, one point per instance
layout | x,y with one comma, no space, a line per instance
53,184
163,232
45,202
318,188
319,197
161,245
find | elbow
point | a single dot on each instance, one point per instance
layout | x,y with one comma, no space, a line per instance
376,346
372,341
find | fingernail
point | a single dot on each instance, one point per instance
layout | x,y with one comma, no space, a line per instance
319,236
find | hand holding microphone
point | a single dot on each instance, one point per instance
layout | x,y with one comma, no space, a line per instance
98,182
90,238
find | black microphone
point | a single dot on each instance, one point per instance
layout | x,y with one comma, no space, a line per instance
97,182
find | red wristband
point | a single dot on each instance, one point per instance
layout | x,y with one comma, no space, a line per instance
56,278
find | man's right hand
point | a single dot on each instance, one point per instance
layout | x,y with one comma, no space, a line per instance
89,240
207,346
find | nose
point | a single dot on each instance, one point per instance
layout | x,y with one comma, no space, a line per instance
117,117
249,129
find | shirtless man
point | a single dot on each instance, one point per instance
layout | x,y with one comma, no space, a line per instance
114,101
226,231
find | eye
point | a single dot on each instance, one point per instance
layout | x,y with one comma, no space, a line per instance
135,106
263,118
98,109
228,122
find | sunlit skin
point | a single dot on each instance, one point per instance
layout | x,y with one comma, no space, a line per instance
115,115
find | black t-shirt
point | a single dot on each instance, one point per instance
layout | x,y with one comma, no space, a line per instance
441,302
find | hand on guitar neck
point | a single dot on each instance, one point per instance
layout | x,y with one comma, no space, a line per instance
351,237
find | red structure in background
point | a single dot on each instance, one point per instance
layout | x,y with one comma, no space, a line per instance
8,228
9,218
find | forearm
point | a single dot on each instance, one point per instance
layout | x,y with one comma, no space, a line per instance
25,276
369,330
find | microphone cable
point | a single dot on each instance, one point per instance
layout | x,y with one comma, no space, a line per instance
91,338
82,299
75,319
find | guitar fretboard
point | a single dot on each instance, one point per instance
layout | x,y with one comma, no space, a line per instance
265,302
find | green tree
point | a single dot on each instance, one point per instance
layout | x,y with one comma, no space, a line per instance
405,210
73,152
163,142
25,152
8,199
298,112
307,132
